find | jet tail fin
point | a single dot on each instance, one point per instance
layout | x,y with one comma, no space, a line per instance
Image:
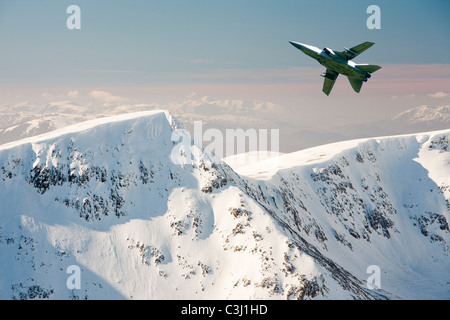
369,68
356,84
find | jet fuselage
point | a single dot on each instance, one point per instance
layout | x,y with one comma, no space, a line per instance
330,60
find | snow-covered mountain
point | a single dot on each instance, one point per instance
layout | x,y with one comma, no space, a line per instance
28,119
423,117
106,195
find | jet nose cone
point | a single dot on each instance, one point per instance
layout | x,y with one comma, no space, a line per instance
298,45
306,49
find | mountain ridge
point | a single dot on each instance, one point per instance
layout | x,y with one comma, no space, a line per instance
106,196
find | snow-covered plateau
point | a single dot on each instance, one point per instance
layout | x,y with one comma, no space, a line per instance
105,195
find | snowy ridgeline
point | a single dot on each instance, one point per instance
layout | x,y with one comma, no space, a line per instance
106,197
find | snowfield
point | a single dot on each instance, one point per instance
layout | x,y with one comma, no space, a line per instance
105,195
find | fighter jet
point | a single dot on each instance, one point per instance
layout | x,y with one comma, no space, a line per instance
338,62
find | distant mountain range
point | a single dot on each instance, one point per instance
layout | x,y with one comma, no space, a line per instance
26,119
425,118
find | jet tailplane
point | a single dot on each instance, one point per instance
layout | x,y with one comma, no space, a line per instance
356,84
369,68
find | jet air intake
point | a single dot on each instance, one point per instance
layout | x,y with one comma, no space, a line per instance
329,52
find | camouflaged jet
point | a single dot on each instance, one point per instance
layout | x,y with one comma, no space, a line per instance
338,62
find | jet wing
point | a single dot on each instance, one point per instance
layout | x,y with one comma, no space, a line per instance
349,54
330,77
356,84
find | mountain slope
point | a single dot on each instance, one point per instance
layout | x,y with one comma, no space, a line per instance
383,202
106,196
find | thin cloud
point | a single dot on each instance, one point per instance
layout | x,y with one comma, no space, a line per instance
439,94
416,71
106,71
47,95
404,96
106,96
73,94
205,61
293,74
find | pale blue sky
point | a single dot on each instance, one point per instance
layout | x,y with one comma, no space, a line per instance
141,42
